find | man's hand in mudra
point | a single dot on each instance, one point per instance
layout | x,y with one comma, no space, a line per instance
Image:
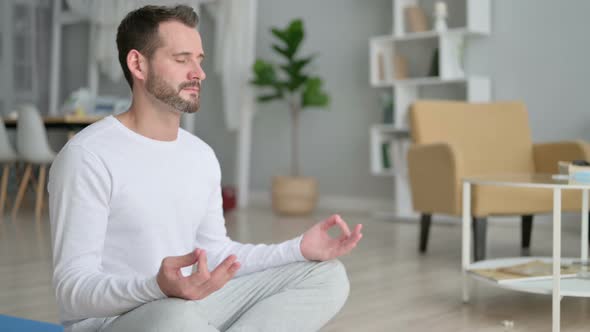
318,245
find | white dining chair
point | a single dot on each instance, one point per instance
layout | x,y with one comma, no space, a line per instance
33,150
8,157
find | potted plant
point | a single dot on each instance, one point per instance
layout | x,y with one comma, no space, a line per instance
292,83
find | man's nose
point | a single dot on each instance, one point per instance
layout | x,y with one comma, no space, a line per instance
197,74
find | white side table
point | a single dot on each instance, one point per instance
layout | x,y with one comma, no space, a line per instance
556,286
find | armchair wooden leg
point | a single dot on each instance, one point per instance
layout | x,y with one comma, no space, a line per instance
40,192
21,189
4,187
527,228
480,226
425,222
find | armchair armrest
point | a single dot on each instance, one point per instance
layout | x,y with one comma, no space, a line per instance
547,155
435,171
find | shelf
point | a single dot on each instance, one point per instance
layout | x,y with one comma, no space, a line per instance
470,15
570,286
435,34
384,172
382,39
426,81
392,129
419,81
382,84
424,35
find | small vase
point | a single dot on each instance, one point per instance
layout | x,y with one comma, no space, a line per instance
295,196
440,15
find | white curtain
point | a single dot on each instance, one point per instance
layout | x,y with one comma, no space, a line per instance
235,51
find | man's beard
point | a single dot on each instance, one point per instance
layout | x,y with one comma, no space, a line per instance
166,93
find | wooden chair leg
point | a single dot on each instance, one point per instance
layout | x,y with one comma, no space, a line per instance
479,238
21,189
526,230
4,188
425,222
40,192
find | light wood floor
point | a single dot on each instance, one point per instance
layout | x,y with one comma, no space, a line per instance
393,288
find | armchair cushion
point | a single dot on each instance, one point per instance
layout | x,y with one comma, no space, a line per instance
493,138
434,175
547,155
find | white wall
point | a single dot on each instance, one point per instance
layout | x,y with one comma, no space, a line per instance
539,52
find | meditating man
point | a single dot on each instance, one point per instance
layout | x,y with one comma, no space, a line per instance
138,234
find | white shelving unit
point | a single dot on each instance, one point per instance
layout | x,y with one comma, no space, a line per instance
467,19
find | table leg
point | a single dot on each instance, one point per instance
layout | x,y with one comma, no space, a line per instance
584,242
556,258
466,233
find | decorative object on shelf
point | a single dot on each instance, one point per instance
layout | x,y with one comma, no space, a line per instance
416,19
440,16
381,66
387,107
294,194
385,158
400,67
434,70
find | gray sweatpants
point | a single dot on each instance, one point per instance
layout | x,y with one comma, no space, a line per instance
296,297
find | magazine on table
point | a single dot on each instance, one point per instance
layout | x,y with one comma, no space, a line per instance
533,270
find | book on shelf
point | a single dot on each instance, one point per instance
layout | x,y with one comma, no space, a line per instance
434,70
400,67
388,115
534,269
385,160
380,66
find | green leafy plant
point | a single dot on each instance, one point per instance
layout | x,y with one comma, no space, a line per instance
291,82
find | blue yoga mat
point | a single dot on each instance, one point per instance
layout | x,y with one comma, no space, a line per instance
15,324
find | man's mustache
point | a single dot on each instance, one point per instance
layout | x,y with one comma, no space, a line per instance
191,84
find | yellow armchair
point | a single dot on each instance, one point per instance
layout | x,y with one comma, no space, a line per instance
454,140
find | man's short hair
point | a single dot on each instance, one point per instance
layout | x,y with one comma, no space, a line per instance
139,31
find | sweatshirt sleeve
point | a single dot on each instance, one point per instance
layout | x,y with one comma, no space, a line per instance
212,236
79,192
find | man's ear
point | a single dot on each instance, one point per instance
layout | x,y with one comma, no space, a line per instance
137,65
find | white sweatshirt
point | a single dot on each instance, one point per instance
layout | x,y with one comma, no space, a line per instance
120,202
